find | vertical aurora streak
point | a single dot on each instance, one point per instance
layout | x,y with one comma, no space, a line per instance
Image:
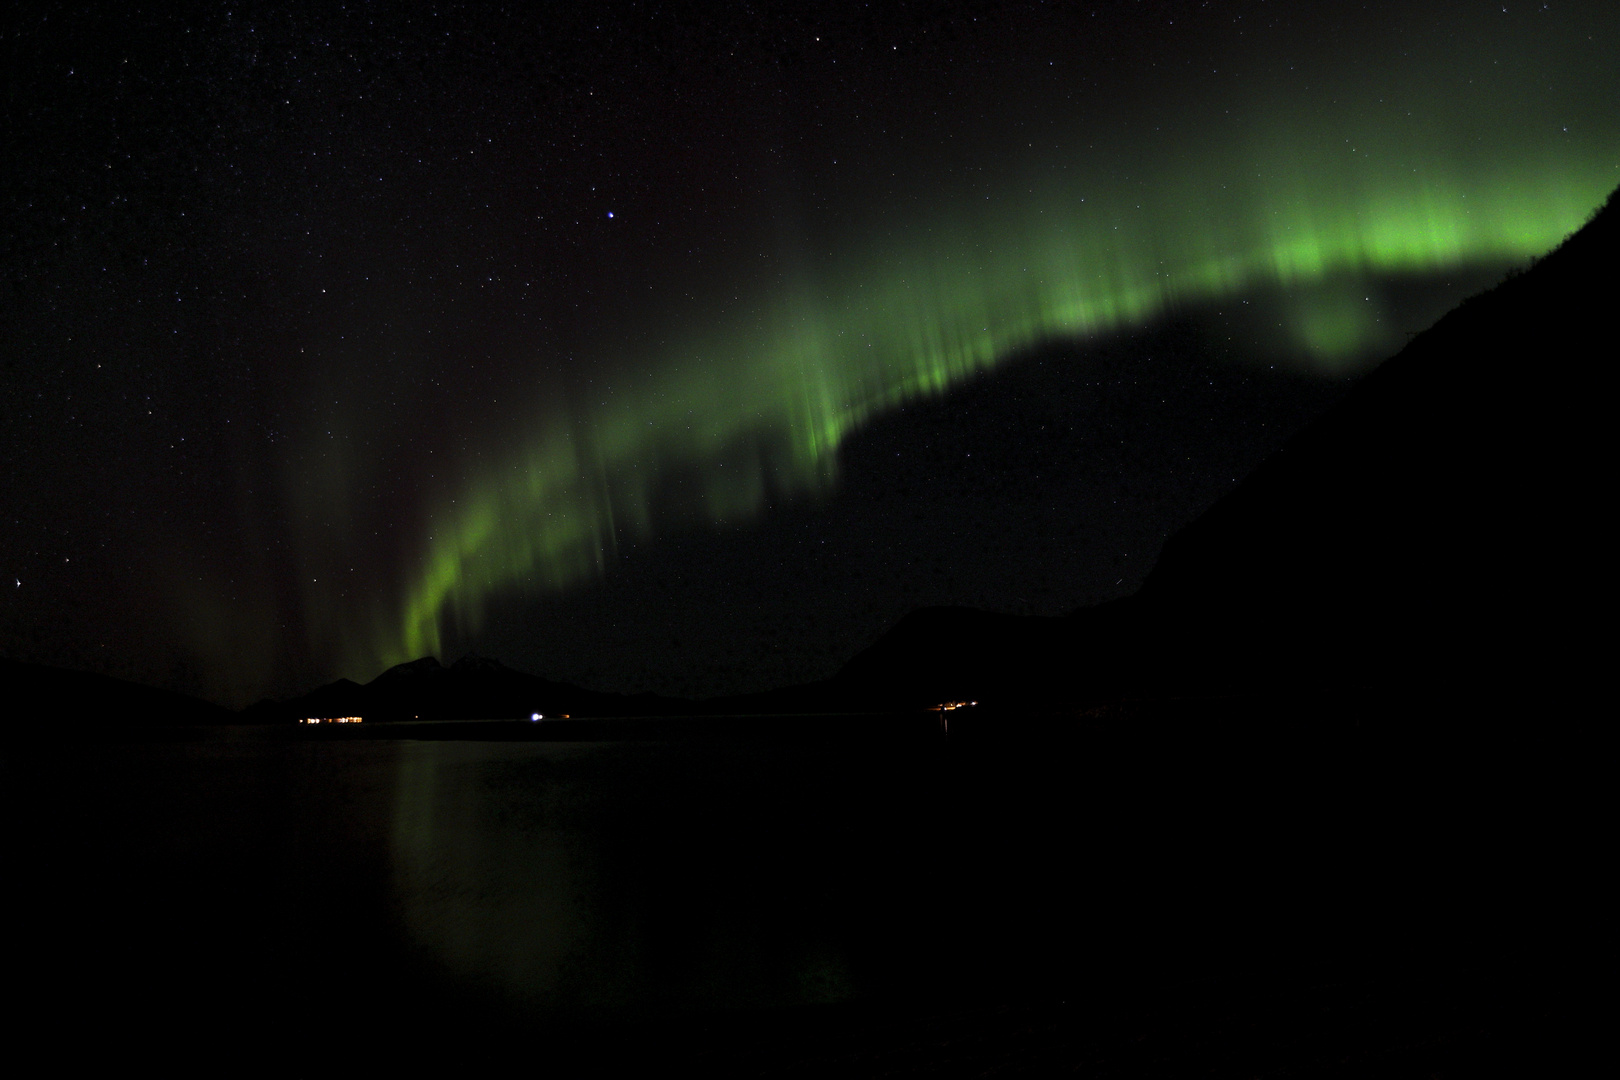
340,335
718,424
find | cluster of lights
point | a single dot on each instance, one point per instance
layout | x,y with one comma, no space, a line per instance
949,706
330,720
535,718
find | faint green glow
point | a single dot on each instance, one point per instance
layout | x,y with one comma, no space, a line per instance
762,405
730,414
1332,319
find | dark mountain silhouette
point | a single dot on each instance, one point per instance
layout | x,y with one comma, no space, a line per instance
1431,536
473,688
41,695
1434,534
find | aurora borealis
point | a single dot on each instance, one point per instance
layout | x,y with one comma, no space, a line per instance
802,373
403,324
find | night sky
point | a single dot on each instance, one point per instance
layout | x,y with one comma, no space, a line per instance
686,347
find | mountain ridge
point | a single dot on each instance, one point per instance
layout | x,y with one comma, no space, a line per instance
472,688
1431,534
1398,545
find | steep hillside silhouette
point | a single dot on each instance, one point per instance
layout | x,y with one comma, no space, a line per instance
1433,534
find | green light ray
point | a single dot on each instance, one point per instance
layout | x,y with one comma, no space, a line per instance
763,406
753,407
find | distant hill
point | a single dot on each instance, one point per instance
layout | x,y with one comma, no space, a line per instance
45,695
473,688
1436,533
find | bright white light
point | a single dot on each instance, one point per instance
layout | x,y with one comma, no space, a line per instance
536,716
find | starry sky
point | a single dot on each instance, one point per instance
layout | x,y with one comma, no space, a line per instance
685,347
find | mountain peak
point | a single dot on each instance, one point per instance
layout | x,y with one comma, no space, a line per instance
473,664
411,669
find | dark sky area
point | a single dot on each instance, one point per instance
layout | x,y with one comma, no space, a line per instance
685,347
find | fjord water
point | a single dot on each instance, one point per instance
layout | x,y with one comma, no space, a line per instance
265,885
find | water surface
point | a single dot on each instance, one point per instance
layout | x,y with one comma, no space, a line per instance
261,880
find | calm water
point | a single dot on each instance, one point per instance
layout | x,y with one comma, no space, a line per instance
558,875
257,877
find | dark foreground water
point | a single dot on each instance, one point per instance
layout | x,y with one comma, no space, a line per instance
899,905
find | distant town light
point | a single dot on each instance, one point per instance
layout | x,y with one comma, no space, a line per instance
331,720
535,717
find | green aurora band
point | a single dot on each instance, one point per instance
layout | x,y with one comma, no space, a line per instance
754,407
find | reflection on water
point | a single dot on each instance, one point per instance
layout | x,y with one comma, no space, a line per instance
272,888
711,874
485,875
233,881
591,876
